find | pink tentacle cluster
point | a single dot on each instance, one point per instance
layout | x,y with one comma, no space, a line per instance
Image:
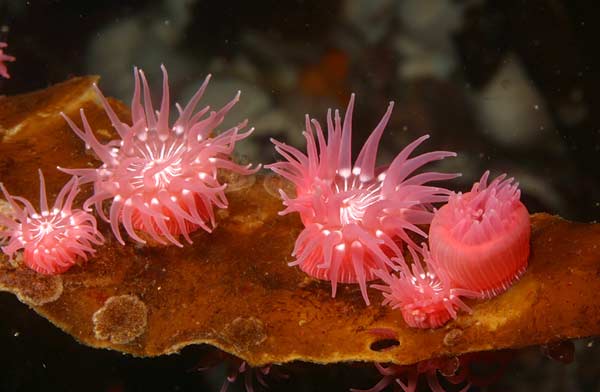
238,369
3,59
453,370
55,237
356,216
406,377
424,293
162,179
249,374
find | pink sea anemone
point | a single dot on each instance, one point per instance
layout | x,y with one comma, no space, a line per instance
406,377
481,238
3,58
355,216
53,238
162,179
423,293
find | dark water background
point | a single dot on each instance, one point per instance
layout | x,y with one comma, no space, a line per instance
512,86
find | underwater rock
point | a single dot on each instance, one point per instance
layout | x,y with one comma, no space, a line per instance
233,288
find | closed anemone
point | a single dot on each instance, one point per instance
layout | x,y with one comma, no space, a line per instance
481,238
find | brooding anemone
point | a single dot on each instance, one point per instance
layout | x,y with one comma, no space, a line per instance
481,238
162,179
53,238
4,58
355,216
424,294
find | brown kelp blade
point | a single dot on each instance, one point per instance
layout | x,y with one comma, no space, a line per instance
233,288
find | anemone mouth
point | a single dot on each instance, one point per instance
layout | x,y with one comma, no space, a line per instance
42,227
155,161
358,197
481,239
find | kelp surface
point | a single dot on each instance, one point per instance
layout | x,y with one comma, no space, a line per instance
233,289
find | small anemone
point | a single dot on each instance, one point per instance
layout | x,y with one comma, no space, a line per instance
55,237
424,294
356,216
481,238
